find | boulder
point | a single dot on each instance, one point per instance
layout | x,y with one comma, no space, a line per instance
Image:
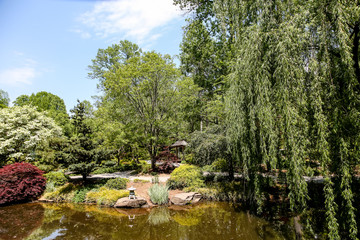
125,202
186,198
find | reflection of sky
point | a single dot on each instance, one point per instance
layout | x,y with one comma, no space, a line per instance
55,234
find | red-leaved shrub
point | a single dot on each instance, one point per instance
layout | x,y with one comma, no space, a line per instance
20,182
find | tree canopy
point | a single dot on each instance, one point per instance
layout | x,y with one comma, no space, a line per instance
47,102
22,129
294,96
4,99
143,94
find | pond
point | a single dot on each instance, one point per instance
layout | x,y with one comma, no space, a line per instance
213,220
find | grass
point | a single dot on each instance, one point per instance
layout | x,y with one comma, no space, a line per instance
159,194
137,180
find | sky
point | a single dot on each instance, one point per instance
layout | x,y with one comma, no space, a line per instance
47,45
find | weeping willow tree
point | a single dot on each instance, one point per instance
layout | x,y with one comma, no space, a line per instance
294,96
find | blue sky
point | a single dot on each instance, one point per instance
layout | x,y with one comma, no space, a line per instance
46,45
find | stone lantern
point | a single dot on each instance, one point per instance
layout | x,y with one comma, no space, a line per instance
132,192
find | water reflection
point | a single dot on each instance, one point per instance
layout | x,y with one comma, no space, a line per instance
14,224
71,221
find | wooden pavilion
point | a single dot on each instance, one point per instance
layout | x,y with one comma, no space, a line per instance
179,145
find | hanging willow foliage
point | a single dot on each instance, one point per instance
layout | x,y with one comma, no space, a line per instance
294,96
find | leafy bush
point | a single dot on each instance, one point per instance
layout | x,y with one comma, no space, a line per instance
80,195
159,194
58,178
117,183
105,196
20,182
186,176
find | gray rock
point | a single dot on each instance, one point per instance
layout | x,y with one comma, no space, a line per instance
186,198
125,202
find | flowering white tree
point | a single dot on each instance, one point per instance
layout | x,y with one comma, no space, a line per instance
21,131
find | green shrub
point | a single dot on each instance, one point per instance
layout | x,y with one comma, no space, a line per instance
50,187
186,176
159,194
219,165
105,196
144,167
117,183
58,178
80,195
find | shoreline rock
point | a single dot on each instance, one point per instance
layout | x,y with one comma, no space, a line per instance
186,198
125,202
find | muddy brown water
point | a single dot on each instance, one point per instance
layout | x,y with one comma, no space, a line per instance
210,221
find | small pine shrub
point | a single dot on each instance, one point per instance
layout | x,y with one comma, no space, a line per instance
20,182
186,176
159,194
117,183
105,196
58,178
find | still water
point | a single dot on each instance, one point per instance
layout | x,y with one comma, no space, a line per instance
211,221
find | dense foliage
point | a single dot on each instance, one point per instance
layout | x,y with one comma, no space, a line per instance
117,183
294,96
20,182
82,147
53,106
4,99
186,176
22,129
57,178
143,93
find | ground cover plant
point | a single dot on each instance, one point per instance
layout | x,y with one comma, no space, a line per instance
105,196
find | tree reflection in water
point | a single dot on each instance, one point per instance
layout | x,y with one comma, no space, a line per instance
70,221
20,220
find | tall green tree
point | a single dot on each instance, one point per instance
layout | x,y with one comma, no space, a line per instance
47,102
109,59
4,99
294,95
206,53
142,93
22,130
82,147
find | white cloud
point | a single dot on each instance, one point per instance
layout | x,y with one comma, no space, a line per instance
83,34
17,76
140,20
